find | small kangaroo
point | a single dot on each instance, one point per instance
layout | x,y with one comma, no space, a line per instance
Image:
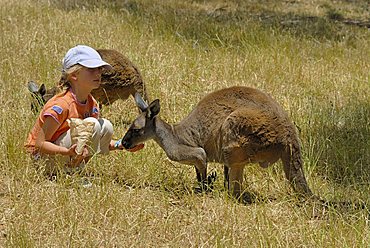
233,126
119,83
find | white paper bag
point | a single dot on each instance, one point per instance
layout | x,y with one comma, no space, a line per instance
81,133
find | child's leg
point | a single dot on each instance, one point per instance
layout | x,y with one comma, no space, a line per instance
102,135
106,135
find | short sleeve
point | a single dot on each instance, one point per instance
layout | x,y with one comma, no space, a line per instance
59,111
95,112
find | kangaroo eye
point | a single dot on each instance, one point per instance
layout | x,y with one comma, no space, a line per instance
136,131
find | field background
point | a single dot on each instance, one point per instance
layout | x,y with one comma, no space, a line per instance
312,56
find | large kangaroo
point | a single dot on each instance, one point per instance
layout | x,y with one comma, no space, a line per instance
233,126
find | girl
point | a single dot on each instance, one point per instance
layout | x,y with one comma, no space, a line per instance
50,137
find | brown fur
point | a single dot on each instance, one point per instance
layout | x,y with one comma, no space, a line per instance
119,83
233,126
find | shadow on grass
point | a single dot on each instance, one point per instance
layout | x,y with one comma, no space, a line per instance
226,25
345,134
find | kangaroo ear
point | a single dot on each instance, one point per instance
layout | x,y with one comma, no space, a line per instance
140,102
42,90
32,87
154,108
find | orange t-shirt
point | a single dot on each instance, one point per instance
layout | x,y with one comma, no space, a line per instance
62,107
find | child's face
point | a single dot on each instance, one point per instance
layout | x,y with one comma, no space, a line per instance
89,78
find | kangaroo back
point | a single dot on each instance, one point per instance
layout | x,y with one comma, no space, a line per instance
122,81
240,107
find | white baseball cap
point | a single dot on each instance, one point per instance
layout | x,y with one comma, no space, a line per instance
85,56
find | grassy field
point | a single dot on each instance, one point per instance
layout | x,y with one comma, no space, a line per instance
313,57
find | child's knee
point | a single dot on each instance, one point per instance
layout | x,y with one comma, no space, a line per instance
107,127
97,126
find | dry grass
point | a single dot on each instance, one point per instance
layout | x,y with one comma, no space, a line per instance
304,53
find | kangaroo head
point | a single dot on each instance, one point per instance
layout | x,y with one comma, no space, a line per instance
143,127
40,95
37,94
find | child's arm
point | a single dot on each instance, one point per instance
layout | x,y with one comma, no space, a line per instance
45,146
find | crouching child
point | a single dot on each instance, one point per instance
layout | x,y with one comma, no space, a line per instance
50,138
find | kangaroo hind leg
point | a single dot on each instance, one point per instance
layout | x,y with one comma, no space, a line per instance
236,180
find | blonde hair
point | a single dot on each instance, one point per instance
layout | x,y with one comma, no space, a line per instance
64,81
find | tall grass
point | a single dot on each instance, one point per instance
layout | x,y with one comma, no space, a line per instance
315,65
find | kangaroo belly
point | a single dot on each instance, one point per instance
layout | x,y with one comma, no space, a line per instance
264,156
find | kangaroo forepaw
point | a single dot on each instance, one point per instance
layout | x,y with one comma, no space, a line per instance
211,178
206,185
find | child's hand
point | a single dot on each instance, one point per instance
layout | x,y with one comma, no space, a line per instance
71,151
77,159
116,145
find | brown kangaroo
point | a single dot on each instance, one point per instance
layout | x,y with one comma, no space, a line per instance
233,126
119,83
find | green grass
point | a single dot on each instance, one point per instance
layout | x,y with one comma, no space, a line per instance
304,53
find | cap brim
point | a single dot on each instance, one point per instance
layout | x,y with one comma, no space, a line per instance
95,63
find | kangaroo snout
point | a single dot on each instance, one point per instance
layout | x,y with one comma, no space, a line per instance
126,144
